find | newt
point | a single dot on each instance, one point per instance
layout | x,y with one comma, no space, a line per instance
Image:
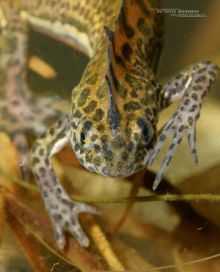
112,124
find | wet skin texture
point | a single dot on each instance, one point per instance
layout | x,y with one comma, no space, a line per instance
116,105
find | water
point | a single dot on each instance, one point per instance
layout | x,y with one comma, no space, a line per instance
155,234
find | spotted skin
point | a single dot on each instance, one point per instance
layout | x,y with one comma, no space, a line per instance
20,112
191,86
63,212
116,105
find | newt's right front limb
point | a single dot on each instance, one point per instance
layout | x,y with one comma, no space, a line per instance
62,210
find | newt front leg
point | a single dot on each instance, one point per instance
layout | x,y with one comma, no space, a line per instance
191,86
62,210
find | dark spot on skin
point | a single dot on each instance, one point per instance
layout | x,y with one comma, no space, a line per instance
36,176
58,217
104,139
130,106
59,124
128,131
51,131
105,171
101,127
83,97
92,80
130,147
81,161
197,87
77,114
212,73
162,138
15,102
127,51
94,138
119,60
91,169
108,155
98,115
140,157
121,91
42,171
128,30
81,151
35,161
136,136
58,190
200,79
193,108
45,193
97,148
186,102
148,112
181,128
202,70
143,8
41,152
91,107
190,120
142,27
118,142
129,79
88,157
74,125
194,96
210,81
172,146
168,160
179,141
87,125
97,161
124,156
133,94
119,165
101,92
76,147
67,202
47,162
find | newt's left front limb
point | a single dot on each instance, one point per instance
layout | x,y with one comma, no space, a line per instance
191,86
62,210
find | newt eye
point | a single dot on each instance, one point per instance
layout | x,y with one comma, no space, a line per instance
147,131
82,137
148,136
83,134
